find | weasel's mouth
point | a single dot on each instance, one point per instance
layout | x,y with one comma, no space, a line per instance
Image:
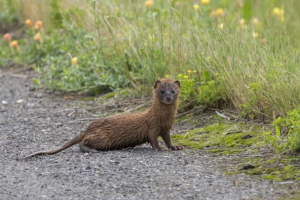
168,101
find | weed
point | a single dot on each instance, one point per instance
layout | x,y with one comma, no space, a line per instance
287,132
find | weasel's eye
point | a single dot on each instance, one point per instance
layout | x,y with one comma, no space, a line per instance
173,91
162,91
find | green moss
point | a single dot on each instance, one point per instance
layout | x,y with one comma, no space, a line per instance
226,139
296,196
272,160
231,172
255,171
184,118
87,98
109,95
214,150
232,138
270,169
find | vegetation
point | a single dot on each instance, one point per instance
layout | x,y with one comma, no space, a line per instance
247,148
287,132
244,53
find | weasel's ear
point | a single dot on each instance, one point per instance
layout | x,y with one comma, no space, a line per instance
156,83
177,83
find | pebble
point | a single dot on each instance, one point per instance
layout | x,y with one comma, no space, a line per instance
20,101
39,95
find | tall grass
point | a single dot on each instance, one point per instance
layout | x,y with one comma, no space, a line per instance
166,39
145,43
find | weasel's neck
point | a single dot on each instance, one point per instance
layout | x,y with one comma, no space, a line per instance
163,109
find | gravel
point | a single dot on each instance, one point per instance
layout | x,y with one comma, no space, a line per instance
33,120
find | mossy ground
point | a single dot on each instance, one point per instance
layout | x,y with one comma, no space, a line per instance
246,143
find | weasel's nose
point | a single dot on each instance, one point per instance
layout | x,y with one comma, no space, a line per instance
168,98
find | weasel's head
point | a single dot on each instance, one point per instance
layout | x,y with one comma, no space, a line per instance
166,90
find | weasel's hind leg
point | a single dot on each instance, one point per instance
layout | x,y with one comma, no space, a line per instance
87,149
95,143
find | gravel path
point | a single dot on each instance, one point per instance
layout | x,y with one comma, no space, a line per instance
32,120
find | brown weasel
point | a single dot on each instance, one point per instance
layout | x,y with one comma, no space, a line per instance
130,130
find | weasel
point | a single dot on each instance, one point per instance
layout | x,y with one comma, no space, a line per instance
130,130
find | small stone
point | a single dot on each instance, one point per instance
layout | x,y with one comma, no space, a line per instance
4,102
39,95
20,101
286,182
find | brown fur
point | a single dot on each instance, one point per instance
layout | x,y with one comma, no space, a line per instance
132,129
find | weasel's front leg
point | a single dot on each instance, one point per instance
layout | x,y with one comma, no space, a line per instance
167,139
154,142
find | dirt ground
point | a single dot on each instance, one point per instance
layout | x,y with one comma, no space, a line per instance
33,120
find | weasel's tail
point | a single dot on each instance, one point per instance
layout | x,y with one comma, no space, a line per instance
68,144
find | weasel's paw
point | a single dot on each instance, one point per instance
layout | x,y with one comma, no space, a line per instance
177,148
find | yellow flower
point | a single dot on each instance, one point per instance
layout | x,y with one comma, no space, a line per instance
149,3
217,74
280,64
39,24
218,12
205,2
255,21
195,71
165,34
208,57
242,22
196,7
28,23
255,35
189,71
74,60
185,55
150,37
14,44
37,37
179,75
221,26
186,77
249,75
282,19
254,63
278,12
167,76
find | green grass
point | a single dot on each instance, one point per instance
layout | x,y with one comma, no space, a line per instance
135,44
220,60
